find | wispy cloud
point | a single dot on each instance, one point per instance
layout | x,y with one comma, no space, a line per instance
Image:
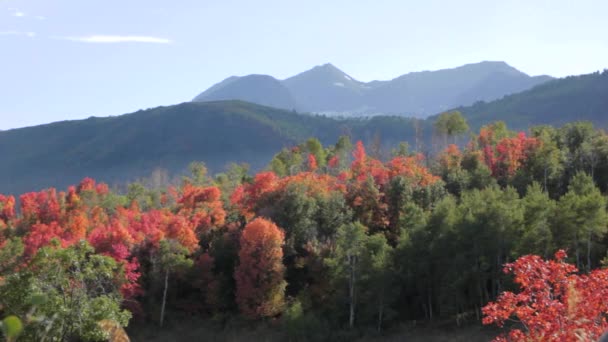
16,12
18,33
117,39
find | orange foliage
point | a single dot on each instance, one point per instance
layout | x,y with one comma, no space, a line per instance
182,230
76,226
259,275
312,163
451,158
7,208
411,169
40,206
203,207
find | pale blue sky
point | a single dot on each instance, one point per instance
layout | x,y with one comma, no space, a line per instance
67,59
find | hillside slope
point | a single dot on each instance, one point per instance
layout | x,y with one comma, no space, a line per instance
261,89
122,148
556,102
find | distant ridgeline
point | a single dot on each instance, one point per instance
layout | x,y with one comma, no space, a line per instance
328,90
130,147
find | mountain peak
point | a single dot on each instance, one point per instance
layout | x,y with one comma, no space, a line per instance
327,66
493,66
326,73
325,88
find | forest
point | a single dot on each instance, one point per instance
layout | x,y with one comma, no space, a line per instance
499,227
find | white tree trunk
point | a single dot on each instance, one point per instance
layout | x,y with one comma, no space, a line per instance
352,293
162,309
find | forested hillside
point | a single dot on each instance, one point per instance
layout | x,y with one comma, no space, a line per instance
329,243
132,146
556,102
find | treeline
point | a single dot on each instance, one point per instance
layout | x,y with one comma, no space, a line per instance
327,239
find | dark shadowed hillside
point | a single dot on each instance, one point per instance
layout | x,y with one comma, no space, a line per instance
117,149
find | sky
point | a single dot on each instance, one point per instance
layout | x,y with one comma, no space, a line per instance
72,59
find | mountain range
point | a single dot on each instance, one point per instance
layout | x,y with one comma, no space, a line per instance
328,90
131,146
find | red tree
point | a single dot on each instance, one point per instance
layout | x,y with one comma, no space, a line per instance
511,153
260,273
554,304
40,207
39,235
246,196
312,163
202,206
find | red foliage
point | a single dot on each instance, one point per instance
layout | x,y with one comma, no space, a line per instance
259,275
40,206
506,156
202,206
312,163
554,304
246,196
150,229
112,239
131,288
512,153
334,162
40,234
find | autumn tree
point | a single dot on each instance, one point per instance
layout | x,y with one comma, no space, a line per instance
260,290
554,303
